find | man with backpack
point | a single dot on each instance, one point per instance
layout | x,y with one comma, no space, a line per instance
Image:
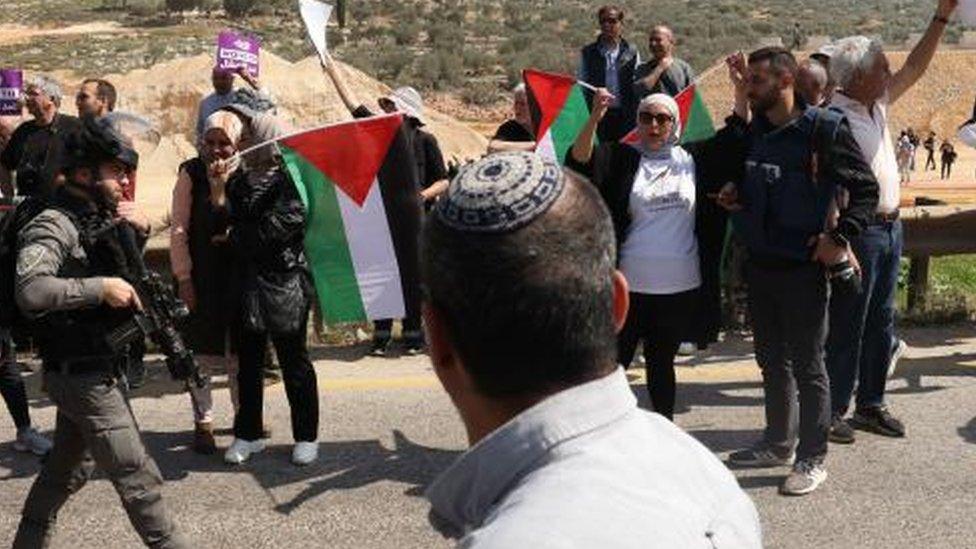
73,256
798,157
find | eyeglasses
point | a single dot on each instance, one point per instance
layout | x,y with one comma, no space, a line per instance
647,118
82,96
120,173
609,21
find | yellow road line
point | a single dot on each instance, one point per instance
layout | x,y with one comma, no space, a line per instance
699,374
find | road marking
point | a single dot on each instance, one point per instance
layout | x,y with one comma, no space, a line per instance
701,374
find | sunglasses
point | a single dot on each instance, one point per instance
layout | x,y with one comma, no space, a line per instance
647,117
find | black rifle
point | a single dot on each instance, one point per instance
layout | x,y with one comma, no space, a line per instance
162,312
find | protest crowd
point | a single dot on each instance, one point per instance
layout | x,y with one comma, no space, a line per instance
532,279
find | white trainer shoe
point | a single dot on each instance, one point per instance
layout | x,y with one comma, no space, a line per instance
687,349
896,355
305,453
241,450
29,440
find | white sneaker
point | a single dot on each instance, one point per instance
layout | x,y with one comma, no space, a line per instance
241,450
305,453
29,440
687,348
899,351
805,478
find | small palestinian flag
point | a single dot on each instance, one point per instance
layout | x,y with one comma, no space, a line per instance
559,111
360,190
696,121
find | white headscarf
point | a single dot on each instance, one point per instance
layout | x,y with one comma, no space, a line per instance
669,103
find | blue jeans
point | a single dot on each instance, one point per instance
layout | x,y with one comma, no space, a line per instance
862,326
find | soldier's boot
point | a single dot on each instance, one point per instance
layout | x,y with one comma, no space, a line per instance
203,439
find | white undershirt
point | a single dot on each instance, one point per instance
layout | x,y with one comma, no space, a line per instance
870,129
659,254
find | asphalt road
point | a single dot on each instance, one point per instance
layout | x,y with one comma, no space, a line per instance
387,429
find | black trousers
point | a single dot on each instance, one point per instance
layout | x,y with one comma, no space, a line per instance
301,384
11,384
789,327
383,329
660,321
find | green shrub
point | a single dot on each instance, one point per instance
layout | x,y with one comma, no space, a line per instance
238,8
182,5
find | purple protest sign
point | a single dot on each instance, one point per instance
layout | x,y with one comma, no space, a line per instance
11,84
238,50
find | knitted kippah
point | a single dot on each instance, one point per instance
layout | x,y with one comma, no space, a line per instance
501,192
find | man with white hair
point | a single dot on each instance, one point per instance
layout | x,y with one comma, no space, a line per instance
862,341
36,149
515,134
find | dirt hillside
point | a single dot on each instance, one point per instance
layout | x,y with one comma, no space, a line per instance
940,101
169,94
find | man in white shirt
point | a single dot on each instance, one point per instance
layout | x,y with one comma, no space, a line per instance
862,339
522,303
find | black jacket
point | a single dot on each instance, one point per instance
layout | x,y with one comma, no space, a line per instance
267,232
38,153
612,169
613,166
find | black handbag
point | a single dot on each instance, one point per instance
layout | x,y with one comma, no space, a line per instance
277,303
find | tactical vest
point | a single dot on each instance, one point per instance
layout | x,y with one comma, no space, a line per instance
784,200
81,333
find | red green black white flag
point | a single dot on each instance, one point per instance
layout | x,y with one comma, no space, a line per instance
359,188
559,111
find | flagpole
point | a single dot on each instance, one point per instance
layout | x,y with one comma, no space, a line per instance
301,132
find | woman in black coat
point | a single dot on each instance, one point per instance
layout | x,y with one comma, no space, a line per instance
267,232
656,191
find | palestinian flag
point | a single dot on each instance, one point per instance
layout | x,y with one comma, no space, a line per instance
559,111
696,121
359,187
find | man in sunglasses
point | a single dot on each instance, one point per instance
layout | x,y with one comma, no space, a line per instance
610,63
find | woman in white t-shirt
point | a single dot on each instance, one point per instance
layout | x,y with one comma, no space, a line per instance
650,189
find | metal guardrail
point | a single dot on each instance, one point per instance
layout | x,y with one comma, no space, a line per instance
932,231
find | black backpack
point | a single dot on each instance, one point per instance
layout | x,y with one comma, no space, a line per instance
11,223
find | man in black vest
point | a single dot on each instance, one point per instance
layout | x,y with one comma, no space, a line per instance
610,63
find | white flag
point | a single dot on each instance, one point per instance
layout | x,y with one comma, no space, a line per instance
316,15
967,12
967,134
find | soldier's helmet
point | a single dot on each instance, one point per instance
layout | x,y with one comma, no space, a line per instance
117,136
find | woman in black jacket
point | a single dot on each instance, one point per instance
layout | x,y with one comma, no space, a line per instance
267,231
655,190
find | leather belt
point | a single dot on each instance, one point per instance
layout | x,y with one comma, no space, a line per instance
81,366
889,217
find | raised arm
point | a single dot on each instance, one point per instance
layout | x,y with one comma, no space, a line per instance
332,71
921,55
582,149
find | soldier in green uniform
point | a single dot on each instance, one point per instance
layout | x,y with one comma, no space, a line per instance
70,285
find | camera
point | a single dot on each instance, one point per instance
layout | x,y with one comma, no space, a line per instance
844,278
